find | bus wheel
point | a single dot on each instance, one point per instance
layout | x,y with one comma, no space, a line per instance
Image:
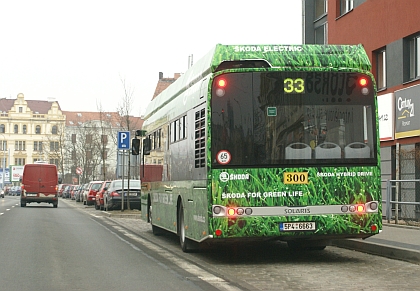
55,205
22,203
186,244
155,229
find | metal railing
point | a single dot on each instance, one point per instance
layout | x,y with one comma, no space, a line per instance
389,202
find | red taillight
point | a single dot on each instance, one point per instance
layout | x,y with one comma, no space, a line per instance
220,87
114,194
363,81
221,83
374,228
218,232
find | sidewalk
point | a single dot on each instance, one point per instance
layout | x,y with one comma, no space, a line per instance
399,242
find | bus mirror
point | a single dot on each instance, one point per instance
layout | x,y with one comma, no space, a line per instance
60,181
146,146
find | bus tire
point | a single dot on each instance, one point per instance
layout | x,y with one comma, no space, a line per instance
186,244
155,230
22,203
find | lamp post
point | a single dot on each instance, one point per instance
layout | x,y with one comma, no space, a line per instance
4,162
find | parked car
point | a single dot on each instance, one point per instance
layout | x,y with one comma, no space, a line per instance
16,190
61,188
90,195
83,193
99,201
73,191
113,195
79,193
66,191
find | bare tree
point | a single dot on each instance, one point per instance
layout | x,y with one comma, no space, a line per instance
106,130
124,110
53,147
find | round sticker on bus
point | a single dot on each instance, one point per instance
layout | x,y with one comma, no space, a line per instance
223,157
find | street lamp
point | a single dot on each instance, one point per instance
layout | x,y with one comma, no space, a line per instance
4,162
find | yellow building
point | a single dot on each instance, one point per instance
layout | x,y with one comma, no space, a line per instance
30,130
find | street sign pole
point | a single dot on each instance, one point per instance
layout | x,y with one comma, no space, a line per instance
123,142
122,182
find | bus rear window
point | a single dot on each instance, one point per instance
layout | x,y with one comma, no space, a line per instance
271,118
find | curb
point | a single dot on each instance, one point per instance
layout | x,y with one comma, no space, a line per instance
396,253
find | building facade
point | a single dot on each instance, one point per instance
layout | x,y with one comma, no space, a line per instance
390,32
36,130
29,132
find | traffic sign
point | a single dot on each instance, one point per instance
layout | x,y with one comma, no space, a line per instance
79,171
123,140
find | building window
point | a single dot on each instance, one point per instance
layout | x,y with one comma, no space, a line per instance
88,139
73,138
20,109
415,57
2,128
321,34
3,145
381,69
15,128
104,139
38,129
24,129
20,161
345,6
54,162
54,129
320,8
54,146
38,146
20,145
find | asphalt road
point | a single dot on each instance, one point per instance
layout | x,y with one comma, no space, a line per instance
76,247
46,248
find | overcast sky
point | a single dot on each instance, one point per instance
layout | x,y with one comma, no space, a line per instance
78,52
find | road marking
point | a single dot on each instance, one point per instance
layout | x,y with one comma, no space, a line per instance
200,273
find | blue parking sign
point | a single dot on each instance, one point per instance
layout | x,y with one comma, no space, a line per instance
123,140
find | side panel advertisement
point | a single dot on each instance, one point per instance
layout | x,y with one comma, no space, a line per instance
16,173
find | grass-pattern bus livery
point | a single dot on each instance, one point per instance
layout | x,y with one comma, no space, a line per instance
265,142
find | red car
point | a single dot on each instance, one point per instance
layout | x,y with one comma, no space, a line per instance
90,194
99,202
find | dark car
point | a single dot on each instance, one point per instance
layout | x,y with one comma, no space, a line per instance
113,195
66,192
99,202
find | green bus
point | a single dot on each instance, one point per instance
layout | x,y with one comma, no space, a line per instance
265,142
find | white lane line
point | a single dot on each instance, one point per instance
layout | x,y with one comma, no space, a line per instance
213,280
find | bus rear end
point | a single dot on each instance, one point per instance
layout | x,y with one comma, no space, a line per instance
294,156
39,184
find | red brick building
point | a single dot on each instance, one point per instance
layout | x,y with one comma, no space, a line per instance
390,32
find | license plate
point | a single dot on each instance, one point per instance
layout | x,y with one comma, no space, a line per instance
131,194
297,226
30,194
